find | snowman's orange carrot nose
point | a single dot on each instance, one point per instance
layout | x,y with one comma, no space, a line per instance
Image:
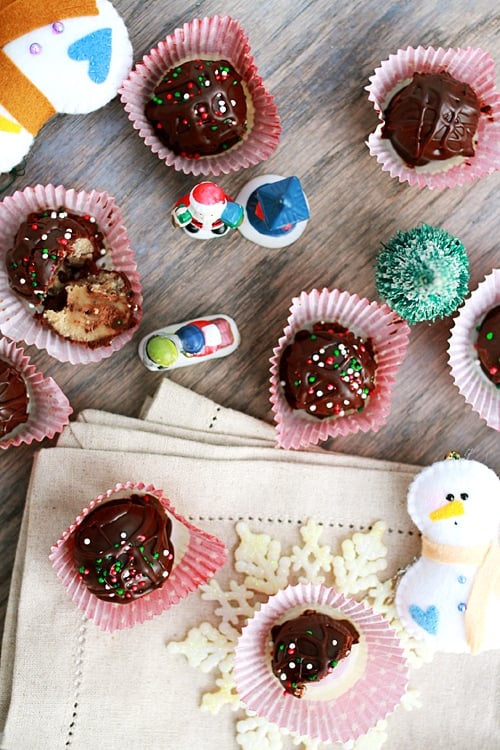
20,97
451,509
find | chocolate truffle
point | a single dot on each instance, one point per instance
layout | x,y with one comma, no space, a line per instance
433,118
95,309
327,371
122,548
308,647
14,399
50,248
199,108
488,345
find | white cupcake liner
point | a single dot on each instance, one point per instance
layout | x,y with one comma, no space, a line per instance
370,320
16,320
48,408
212,38
365,688
472,66
197,556
471,381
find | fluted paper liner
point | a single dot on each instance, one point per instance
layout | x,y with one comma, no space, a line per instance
364,688
212,38
48,408
197,556
370,320
473,66
16,320
474,385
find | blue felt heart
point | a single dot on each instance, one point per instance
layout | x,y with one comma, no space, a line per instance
96,48
427,618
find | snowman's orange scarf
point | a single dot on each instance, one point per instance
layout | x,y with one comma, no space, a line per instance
486,581
19,95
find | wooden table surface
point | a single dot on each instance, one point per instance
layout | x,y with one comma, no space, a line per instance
315,57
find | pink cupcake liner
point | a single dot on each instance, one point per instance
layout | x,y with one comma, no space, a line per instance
472,66
208,38
471,381
366,687
15,318
389,336
198,556
48,408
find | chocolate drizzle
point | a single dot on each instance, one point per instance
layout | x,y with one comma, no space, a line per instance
122,548
308,647
199,108
14,399
433,118
328,372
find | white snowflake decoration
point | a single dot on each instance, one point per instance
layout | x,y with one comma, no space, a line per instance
264,571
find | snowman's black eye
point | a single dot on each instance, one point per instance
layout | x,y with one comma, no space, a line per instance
449,497
464,496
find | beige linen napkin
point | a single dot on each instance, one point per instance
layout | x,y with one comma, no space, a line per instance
65,684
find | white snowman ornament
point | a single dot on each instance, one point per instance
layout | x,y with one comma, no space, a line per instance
451,595
69,57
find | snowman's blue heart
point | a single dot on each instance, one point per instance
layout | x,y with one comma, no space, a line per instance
428,619
96,48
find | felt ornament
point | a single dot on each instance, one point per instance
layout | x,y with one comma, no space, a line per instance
55,57
450,596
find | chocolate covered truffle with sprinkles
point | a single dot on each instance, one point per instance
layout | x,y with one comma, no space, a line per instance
123,548
488,345
50,248
199,108
14,399
327,371
307,648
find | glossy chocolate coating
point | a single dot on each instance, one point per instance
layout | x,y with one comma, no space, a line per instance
44,254
328,372
123,550
199,108
433,118
488,345
14,399
308,647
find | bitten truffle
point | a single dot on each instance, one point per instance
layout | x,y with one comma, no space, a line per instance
308,647
51,248
433,118
199,108
54,267
488,345
123,548
327,371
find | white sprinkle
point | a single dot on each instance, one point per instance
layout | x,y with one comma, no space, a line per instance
334,642
309,666
283,677
291,664
319,394
86,540
312,407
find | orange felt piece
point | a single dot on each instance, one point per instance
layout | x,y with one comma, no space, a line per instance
18,17
21,97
